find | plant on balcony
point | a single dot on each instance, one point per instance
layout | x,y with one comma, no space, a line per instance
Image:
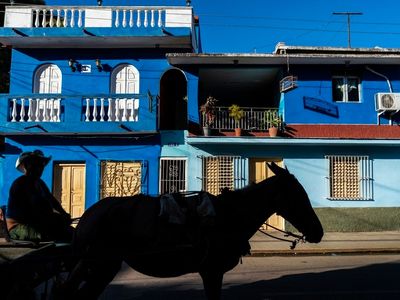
237,113
273,122
208,111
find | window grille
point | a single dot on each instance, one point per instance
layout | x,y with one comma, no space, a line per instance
350,177
173,175
222,172
346,88
120,178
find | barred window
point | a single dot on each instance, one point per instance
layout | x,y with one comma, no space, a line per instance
222,172
172,175
349,178
120,178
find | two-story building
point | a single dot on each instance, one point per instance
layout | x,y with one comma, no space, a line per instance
91,86
113,94
341,140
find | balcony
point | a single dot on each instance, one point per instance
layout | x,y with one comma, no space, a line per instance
112,26
254,119
77,114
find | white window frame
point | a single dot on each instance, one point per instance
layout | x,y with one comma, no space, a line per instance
48,80
345,88
365,188
114,79
165,180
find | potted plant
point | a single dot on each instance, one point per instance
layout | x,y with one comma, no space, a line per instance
237,114
208,110
273,122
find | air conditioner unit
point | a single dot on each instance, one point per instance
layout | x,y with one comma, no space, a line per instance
387,101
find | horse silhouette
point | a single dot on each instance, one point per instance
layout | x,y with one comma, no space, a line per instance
130,229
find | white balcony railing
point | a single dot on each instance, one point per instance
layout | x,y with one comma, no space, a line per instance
254,118
35,110
111,109
81,16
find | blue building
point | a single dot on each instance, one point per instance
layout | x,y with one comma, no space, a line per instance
114,95
91,86
340,108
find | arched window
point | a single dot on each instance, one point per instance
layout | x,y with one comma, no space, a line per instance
125,80
48,79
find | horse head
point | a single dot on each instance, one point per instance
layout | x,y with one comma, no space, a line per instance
294,205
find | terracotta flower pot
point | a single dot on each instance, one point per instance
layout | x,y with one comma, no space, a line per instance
273,131
238,131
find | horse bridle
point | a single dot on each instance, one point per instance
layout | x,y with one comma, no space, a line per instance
298,238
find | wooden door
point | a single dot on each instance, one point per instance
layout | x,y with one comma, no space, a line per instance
69,187
258,172
48,80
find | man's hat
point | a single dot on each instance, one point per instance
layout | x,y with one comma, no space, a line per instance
38,154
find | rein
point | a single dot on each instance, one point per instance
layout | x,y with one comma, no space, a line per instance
298,238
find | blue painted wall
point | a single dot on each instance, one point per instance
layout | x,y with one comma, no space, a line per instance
90,152
316,82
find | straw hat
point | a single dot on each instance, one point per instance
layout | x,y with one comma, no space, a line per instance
38,154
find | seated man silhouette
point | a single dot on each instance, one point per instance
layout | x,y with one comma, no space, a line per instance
33,213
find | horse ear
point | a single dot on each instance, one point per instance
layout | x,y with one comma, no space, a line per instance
277,169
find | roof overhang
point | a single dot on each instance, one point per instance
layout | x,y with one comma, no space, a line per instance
267,141
279,59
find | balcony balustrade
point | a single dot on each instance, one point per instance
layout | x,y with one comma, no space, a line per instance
254,119
92,16
75,113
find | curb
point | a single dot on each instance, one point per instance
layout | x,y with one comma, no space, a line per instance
310,252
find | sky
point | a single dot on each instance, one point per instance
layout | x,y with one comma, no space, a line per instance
256,26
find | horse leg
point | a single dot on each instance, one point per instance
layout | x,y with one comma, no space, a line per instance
212,282
99,275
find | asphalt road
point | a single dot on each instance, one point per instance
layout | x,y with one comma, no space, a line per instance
268,278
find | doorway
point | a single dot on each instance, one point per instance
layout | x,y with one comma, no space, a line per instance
69,187
173,101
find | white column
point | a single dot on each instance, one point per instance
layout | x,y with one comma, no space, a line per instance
58,23
159,23
138,21
72,24
37,112
146,18
117,18
80,18
14,111
37,17
87,112
30,111
124,18
65,18
130,18
51,108
51,21
152,21
44,18
110,110
102,110
94,110
58,107
125,111
46,116
117,112
22,112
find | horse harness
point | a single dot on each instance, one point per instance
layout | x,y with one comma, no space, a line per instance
298,238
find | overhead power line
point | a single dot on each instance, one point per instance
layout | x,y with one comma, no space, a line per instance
348,14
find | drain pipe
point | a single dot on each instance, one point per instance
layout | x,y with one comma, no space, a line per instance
390,90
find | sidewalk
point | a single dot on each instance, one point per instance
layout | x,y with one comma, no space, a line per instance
332,243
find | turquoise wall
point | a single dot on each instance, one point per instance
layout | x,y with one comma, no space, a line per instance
307,163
